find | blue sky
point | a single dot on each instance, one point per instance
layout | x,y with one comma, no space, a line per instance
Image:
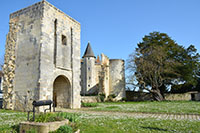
114,27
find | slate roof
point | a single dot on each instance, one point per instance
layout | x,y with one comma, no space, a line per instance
89,52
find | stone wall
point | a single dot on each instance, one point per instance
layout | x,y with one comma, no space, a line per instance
178,97
143,96
90,99
117,78
67,65
43,43
88,75
138,96
57,58
104,76
21,58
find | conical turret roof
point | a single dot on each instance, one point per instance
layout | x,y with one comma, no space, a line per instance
88,51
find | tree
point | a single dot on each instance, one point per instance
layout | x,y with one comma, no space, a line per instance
160,62
1,62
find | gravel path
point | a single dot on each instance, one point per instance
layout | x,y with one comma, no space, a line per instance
134,115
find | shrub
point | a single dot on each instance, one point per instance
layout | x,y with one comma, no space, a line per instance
64,129
102,97
32,130
124,99
69,116
51,117
48,117
89,104
111,98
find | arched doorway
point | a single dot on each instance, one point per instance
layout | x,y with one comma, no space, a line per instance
61,92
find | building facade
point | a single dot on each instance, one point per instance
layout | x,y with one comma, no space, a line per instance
102,76
42,58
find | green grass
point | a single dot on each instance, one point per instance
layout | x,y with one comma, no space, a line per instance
95,123
174,107
131,125
89,104
9,120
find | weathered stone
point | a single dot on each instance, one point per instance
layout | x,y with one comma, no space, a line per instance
41,127
90,99
105,76
35,58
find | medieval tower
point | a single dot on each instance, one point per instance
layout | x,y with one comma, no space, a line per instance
88,65
105,76
42,58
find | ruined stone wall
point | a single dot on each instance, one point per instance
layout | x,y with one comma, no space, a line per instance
90,99
98,72
117,78
104,75
57,58
178,97
21,58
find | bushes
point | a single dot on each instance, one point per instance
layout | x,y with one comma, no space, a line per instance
48,117
64,129
102,97
89,104
111,98
51,117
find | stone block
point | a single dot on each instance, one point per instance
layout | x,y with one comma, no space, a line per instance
41,127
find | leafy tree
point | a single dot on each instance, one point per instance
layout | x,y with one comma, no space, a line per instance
160,62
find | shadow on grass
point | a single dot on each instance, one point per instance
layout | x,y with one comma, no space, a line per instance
158,129
15,128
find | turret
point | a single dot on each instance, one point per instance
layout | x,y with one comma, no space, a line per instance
88,72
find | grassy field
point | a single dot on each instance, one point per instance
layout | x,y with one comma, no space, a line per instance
131,125
9,120
100,124
175,107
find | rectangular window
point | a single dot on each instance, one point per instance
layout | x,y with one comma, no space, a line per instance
64,40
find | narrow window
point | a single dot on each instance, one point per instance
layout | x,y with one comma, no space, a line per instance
88,85
55,40
89,68
89,78
71,36
72,48
64,40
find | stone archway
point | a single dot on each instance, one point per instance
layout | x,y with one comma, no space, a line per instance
61,92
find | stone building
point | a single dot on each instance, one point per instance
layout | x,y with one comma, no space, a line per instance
105,76
42,58
1,80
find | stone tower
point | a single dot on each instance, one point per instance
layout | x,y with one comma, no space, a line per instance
102,76
42,58
88,71
117,78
